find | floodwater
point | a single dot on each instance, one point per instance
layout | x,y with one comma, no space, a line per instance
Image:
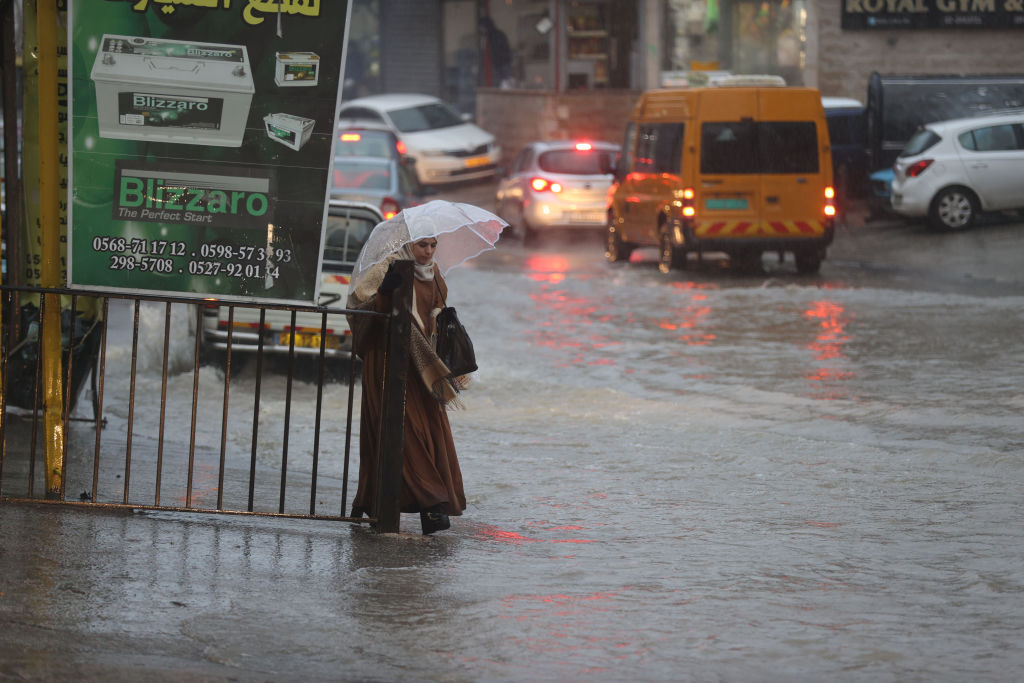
703,476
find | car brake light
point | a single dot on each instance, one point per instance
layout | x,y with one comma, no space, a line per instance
830,201
584,147
689,210
389,207
351,137
541,184
918,167
400,146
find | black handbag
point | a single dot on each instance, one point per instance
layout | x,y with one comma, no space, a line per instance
454,347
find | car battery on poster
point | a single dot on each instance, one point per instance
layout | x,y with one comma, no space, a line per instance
172,90
291,131
297,69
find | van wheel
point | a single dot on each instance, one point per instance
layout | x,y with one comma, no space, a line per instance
616,250
808,261
955,208
670,257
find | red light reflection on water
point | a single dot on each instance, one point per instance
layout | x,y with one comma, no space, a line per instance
828,347
570,317
693,320
490,532
547,268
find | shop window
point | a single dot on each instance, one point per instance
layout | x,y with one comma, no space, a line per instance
589,48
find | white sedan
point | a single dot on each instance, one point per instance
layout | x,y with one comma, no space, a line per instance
445,146
950,171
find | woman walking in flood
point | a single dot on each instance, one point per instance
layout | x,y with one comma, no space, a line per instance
431,478
436,236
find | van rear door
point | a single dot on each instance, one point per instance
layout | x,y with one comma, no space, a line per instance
795,164
728,193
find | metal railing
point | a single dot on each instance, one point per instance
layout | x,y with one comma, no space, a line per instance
121,458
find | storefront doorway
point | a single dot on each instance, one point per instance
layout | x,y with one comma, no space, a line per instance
765,37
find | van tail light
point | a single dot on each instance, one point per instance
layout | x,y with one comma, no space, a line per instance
544,185
689,209
830,201
400,146
918,167
389,207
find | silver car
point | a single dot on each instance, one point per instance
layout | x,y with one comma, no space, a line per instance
556,185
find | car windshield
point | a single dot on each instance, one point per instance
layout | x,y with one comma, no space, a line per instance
919,142
574,162
424,117
365,143
358,174
346,234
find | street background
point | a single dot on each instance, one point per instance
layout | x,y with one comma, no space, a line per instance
706,475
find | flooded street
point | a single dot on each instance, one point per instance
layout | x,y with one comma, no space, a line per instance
701,476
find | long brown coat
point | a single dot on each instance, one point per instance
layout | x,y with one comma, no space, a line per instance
430,470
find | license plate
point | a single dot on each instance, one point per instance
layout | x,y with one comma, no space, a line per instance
308,340
473,162
726,204
587,217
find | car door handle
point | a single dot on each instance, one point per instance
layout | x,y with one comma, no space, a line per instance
771,200
979,165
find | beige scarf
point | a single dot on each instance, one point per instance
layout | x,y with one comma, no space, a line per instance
432,371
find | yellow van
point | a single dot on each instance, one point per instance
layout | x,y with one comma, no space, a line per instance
735,169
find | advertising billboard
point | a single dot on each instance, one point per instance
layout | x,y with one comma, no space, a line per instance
201,139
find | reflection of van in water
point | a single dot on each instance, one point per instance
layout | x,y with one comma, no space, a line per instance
742,170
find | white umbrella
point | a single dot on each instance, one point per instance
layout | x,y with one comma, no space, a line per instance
462,231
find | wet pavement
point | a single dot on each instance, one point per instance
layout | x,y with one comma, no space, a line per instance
697,477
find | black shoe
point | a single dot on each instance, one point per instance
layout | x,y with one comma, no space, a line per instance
434,520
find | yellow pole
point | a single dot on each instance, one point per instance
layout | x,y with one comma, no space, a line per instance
49,185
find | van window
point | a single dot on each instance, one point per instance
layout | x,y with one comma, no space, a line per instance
629,148
788,146
735,147
728,147
659,148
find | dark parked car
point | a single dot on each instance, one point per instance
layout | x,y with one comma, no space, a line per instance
383,182
848,138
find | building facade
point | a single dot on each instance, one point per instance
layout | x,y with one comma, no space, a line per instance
535,69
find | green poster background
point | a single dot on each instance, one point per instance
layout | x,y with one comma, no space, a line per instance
191,217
